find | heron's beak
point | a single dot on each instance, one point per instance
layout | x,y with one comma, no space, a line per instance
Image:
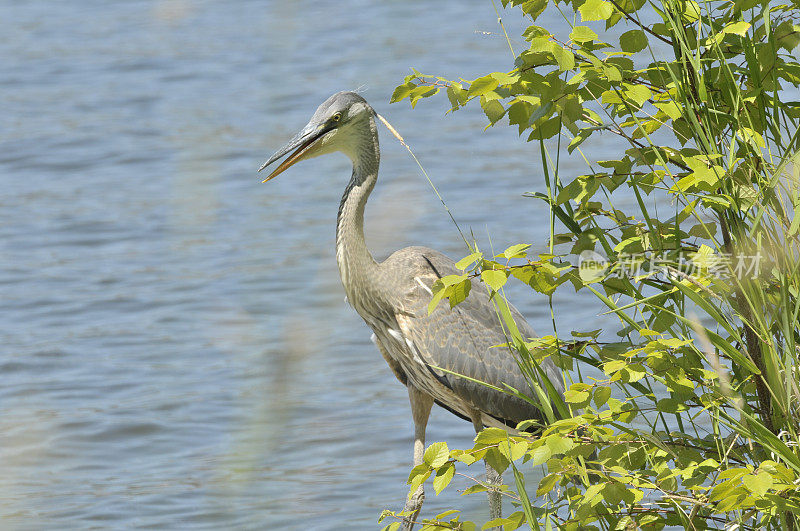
301,144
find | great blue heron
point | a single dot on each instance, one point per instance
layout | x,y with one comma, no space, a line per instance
392,297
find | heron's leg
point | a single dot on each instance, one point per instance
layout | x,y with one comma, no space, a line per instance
421,404
492,476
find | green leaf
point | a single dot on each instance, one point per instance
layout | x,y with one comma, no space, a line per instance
592,496
576,397
473,489
402,91
533,32
495,279
564,57
493,109
633,372
467,261
443,477
795,221
633,41
518,450
496,460
702,172
422,91
519,113
452,280
595,10
534,8
787,35
670,405
677,382
438,294
752,137
579,139
547,483
541,454
459,292
691,10
670,108
542,44
759,483
504,78
582,34
464,457
456,95
512,450
482,85
559,444
610,97
638,93
418,476
731,502
436,455
612,73
601,395
491,436
591,333
516,251
737,28
540,112
514,521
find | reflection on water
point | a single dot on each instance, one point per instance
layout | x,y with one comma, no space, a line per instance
176,349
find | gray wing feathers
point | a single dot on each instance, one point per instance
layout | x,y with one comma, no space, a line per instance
463,340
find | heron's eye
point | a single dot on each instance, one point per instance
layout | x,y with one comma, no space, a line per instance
336,117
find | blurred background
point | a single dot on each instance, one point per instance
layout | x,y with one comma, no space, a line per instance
176,352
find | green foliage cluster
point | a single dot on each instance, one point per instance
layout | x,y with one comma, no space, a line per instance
695,421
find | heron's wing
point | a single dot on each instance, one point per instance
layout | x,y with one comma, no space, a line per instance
465,340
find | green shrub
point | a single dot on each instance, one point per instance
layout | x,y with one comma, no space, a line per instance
696,420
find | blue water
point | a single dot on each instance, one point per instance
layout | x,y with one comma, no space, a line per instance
176,352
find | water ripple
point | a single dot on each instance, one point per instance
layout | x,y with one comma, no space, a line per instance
176,352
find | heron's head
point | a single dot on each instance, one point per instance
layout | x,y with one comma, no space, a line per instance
338,124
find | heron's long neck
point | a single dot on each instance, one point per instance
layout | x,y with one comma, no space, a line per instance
356,265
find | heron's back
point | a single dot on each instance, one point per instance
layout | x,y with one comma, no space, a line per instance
468,340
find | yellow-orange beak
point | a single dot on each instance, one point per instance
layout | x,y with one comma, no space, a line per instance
301,144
